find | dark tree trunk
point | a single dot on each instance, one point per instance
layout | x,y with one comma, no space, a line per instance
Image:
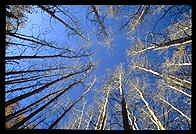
17,125
9,102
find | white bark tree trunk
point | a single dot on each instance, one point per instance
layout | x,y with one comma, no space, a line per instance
87,126
173,79
155,118
189,119
124,106
81,115
139,18
105,109
155,47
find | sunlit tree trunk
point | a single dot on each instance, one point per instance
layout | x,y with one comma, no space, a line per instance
98,120
88,123
155,118
132,122
179,90
174,43
123,103
141,16
189,119
103,122
81,117
56,122
175,80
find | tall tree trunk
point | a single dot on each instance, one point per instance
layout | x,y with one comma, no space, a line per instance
124,108
17,89
55,123
43,57
16,126
32,71
34,40
87,126
98,120
174,43
178,90
29,124
66,25
33,78
100,23
81,117
21,97
139,18
105,109
189,119
155,118
10,116
133,122
173,79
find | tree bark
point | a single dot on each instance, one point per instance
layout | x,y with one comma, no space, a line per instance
43,57
10,116
66,25
189,119
174,43
55,123
23,80
16,126
81,115
87,126
139,18
9,102
17,89
124,107
32,71
100,22
155,118
175,80
105,109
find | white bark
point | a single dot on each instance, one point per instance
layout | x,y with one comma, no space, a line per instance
172,87
183,83
180,64
98,120
161,47
81,115
123,103
72,126
104,109
133,123
151,118
155,118
75,102
176,109
87,126
139,19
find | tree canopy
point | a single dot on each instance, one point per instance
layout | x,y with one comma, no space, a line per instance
98,67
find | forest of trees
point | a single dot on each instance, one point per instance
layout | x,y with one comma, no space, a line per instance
55,79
